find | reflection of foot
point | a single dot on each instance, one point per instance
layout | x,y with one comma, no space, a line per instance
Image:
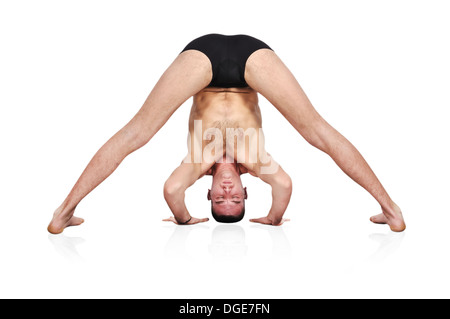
388,244
62,219
67,246
393,218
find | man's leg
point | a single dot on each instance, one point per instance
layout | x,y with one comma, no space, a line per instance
188,74
268,75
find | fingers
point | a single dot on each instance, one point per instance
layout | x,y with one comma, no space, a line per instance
197,220
193,221
283,221
267,221
170,219
262,220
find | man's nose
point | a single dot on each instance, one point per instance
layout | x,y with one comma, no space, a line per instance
226,187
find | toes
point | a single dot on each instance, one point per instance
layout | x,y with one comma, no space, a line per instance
379,219
75,221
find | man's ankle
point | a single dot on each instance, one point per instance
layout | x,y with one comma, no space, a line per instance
390,209
66,207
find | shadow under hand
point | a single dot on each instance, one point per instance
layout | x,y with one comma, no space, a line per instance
66,246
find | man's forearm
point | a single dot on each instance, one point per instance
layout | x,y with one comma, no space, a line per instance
281,195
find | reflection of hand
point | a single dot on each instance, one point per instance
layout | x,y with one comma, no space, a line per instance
191,222
268,221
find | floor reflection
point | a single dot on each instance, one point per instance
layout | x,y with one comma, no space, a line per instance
388,242
176,245
228,242
66,246
280,243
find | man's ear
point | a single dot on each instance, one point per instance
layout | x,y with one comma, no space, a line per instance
245,192
209,194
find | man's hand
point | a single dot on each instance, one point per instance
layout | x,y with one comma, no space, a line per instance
281,185
191,222
267,221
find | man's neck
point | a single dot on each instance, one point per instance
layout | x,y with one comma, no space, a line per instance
226,164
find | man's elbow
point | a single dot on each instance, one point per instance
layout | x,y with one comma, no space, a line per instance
285,183
173,190
288,185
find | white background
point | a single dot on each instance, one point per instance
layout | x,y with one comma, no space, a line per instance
74,72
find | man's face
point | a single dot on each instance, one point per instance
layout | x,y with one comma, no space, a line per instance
227,194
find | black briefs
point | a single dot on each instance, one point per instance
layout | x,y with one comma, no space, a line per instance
228,55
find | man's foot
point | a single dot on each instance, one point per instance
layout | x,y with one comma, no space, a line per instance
62,219
393,217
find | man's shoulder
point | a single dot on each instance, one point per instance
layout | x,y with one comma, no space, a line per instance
246,169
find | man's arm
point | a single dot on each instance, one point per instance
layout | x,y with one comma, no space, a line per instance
174,192
281,185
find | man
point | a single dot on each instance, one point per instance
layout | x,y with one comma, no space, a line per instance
230,119
226,62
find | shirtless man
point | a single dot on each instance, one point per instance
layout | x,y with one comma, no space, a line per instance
228,118
229,61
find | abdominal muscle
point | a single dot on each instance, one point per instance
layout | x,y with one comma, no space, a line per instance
231,106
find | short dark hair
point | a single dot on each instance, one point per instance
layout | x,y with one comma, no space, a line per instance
228,218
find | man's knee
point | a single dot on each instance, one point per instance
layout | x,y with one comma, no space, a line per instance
135,136
315,133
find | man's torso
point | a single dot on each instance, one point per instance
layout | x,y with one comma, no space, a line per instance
234,115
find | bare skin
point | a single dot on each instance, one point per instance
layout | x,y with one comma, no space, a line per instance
268,75
227,117
189,74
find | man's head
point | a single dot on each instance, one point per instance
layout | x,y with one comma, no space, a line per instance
227,195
